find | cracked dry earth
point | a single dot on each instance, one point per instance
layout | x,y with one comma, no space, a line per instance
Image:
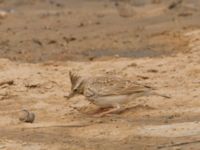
152,122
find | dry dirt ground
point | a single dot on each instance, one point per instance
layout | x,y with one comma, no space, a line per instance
156,43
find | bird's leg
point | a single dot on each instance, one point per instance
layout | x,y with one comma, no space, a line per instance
99,110
115,109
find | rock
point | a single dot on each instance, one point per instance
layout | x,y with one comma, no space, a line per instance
3,14
7,82
175,4
152,70
140,2
156,1
125,9
26,116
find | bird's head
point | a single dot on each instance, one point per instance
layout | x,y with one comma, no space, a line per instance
77,84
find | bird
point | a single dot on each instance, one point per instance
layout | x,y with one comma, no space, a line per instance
108,91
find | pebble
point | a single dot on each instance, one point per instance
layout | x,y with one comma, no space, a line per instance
3,14
26,116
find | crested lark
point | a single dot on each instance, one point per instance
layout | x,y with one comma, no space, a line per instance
108,91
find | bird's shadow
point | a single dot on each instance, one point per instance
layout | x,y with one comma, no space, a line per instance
123,110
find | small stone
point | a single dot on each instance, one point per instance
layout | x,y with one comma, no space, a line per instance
152,70
26,116
125,9
3,14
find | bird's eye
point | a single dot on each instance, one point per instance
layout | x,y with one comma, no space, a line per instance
75,90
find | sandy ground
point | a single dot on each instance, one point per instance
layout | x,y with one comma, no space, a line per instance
157,44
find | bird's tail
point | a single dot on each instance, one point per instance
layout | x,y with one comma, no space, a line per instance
162,95
157,94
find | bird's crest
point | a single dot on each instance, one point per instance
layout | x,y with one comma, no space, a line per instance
73,77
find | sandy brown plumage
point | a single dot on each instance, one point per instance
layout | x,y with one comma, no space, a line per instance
108,91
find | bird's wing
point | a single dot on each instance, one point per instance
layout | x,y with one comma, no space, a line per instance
116,86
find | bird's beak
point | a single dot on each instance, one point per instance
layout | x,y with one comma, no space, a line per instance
70,95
